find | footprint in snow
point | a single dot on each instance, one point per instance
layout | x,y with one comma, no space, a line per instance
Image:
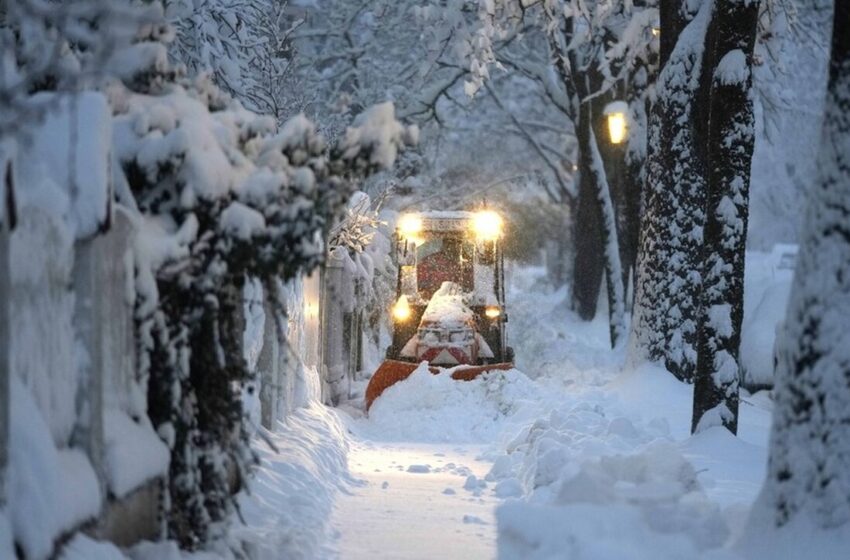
449,492
419,469
385,485
472,519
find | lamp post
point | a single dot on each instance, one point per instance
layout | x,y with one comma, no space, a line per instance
616,113
614,154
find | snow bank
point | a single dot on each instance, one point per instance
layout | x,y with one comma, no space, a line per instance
287,512
82,547
133,453
549,339
599,486
607,467
799,539
611,486
7,548
767,286
436,408
50,491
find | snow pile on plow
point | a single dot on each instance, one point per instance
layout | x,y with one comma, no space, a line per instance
436,408
447,306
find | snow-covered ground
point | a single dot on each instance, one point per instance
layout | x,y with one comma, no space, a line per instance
576,456
416,500
570,455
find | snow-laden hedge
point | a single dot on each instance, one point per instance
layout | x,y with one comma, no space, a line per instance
217,195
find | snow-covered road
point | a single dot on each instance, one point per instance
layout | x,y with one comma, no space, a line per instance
416,501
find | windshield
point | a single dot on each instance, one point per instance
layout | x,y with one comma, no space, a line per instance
441,259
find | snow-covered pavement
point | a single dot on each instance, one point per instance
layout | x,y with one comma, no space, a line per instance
572,457
416,501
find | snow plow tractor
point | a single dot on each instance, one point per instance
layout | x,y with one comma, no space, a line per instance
450,298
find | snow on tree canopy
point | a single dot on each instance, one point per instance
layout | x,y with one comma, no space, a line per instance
377,128
732,68
177,129
242,221
220,196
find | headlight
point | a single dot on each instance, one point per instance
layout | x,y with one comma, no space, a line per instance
410,226
487,225
401,310
492,312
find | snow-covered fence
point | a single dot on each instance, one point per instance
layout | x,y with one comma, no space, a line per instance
104,326
79,448
111,420
333,354
43,353
271,367
103,281
342,309
71,345
311,333
357,285
283,365
325,315
5,366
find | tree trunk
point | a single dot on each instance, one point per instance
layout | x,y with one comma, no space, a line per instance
593,171
727,66
667,287
810,443
588,263
635,169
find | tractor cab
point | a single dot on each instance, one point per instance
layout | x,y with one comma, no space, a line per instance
450,301
450,298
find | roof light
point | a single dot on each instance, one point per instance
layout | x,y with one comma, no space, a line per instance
487,225
410,226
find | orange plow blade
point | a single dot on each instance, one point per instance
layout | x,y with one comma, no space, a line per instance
392,371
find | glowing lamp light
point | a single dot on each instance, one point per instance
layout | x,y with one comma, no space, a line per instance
492,312
410,226
401,309
618,126
656,31
311,309
487,225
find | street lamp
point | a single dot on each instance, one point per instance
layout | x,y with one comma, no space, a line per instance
616,115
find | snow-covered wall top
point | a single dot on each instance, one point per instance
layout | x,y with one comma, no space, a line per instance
63,165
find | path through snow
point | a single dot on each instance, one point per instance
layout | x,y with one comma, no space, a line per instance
416,501
578,459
